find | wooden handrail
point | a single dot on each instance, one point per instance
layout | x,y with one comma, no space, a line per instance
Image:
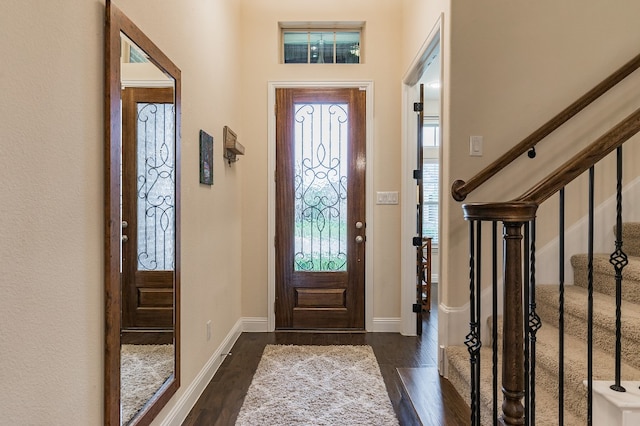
460,189
524,207
583,160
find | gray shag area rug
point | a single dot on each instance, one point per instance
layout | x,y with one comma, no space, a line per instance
143,369
317,385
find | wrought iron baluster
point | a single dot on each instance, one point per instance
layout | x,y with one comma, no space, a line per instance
590,301
561,312
478,307
526,366
619,260
494,336
472,341
534,324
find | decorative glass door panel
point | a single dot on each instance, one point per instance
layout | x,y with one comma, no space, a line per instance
156,187
320,182
320,214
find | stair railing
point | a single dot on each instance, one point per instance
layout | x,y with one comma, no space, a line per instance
460,189
520,320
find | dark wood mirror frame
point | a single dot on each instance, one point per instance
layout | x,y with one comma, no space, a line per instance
116,24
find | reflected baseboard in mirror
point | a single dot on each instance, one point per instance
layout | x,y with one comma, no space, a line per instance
142,285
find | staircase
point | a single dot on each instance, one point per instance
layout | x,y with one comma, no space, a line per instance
575,339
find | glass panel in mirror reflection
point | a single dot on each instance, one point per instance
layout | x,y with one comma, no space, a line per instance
320,182
156,185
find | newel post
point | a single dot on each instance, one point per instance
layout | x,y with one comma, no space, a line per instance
513,215
513,327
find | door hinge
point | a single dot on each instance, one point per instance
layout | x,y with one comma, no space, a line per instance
417,241
417,307
417,174
275,109
418,106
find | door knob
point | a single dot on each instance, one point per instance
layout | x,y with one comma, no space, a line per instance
359,239
125,238
125,224
359,225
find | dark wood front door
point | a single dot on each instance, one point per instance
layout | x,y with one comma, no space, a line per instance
148,213
320,208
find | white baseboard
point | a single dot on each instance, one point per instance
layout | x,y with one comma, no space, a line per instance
185,403
255,324
453,324
380,325
387,325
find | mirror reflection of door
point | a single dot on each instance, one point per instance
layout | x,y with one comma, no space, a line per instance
148,201
149,233
320,210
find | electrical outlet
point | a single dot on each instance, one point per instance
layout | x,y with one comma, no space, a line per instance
208,330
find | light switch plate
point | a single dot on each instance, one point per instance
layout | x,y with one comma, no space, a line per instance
475,146
387,197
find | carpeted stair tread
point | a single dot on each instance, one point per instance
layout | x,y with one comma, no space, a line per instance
604,275
459,375
575,366
631,238
604,316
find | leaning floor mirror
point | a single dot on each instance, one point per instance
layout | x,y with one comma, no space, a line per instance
142,218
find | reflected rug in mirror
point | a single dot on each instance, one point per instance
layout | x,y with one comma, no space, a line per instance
143,369
317,385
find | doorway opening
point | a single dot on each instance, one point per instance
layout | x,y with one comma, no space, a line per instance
422,180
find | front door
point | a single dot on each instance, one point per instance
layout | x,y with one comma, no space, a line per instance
148,213
320,208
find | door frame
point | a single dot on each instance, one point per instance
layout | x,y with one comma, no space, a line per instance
367,86
408,205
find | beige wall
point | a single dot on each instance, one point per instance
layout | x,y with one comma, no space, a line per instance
51,308
260,66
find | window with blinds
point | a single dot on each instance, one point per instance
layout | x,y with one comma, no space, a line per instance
430,179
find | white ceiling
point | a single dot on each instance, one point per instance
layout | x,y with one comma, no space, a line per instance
431,74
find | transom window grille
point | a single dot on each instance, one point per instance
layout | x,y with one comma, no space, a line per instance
321,46
430,179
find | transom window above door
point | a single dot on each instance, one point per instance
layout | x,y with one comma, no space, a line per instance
326,43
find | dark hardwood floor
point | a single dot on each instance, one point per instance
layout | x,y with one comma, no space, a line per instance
415,358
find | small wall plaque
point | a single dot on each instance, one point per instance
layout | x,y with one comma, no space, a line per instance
206,158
